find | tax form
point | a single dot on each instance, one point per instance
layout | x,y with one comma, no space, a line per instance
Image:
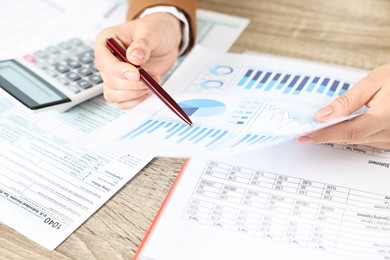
50,186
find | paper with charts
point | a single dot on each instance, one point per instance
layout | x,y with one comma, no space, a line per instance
237,103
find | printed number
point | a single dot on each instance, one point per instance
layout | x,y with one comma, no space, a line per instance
52,223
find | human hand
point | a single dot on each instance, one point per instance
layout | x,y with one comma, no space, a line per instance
371,128
152,42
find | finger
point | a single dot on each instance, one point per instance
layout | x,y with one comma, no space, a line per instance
120,96
352,131
121,84
138,52
107,63
352,100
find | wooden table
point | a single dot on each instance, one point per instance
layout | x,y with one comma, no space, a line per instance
348,32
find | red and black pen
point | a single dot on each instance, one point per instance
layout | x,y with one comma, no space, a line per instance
119,52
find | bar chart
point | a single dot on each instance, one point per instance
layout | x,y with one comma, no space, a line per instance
259,80
237,103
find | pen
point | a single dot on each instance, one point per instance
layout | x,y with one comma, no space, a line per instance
120,53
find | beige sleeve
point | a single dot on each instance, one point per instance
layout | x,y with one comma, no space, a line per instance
188,7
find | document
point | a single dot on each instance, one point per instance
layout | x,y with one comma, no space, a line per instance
25,27
237,103
289,201
48,186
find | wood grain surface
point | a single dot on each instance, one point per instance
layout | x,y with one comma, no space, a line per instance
347,32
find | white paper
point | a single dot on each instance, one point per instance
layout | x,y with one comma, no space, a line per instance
48,184
49,187
237,103
28,25
290,201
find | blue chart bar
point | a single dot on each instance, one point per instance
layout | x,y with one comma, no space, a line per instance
253,80
245,78
313,83
272,82
344,89
283,82
323,85
263,80
291,85
333,88
177,132
301,85
251,139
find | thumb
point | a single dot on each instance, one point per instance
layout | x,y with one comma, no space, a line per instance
346,104
138,52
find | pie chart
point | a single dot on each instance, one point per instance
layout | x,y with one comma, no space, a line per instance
202,107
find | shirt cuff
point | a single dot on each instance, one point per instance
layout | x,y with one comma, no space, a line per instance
185,40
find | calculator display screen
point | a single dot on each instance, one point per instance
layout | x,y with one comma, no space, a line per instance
27,87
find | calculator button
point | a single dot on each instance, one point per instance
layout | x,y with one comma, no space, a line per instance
93,67
29,58
65,45
73,64
61,68
40,65
53,50
63,80
95,79
86,59
41,54
73,88
85,71
75,41
83,84
73,76
51,61
51,72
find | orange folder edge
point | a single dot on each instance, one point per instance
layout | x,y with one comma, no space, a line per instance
140,248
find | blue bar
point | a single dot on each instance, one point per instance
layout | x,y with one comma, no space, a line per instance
215,133
174,132
253,80
263,80
323,85
272,82
198,133
188,135
284,80
313,84
245,78
156,127
301,85
344,89
136,129
242,140
203,136
173,127
291,85
333,88
257,140
167,125
218,138
265,139
252,138
185,130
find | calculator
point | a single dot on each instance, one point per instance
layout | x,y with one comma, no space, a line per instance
57,77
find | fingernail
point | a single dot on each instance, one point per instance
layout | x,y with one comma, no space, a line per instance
305,140
326,111
130,75
157,79
138,54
